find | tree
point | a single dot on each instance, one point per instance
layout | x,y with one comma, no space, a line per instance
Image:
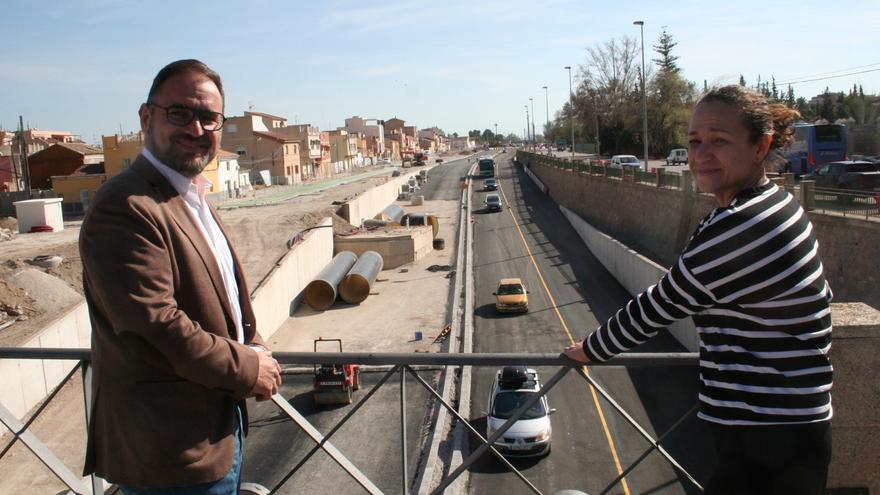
742,80
670,98
610,88
664,47
789,97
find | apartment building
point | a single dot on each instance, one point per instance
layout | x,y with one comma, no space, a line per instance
264,147
373,132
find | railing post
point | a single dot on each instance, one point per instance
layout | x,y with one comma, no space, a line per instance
808,194
660,174
404,476
687,181
96,482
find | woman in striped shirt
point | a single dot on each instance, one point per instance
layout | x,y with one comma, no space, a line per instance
752,280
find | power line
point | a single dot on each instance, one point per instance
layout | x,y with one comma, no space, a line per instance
797,79
829,77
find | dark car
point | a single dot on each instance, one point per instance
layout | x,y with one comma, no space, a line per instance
853,175
490,185
493,202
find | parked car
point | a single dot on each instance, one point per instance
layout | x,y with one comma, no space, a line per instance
490,185
383,161
531,434
511,296
676,156
493,202
854,175
620,161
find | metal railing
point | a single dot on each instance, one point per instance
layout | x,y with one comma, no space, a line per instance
846,202
401,365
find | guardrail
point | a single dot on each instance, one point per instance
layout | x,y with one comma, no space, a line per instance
401,365
846,202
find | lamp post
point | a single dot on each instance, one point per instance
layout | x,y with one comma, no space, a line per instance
527,125
534,138
570,110
641,25
547,110
496,132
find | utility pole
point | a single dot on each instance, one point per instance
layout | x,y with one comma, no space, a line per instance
23,157
547,114
641,25
496,132
534,139
570,110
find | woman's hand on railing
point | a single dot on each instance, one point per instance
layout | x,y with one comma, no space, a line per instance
576,353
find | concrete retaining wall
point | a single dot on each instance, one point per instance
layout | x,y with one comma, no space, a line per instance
371,202
658,222
27,382
281,292
631,269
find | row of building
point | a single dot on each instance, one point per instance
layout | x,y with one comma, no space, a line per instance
257,148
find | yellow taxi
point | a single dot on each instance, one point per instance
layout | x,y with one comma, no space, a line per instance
511,296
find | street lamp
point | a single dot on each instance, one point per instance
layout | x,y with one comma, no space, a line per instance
527,124
570,110
534,139
547,109
496,132
641,25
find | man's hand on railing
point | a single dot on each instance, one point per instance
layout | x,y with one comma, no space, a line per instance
576,353
268,377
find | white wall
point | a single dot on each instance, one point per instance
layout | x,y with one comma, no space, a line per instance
276,299
634,272
26,382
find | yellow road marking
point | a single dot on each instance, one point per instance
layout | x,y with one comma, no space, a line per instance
596,403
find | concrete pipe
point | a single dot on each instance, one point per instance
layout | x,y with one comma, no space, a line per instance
392,213
320,294
372,223
417,200
355,287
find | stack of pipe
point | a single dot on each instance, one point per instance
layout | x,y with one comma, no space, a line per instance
320,294
355,287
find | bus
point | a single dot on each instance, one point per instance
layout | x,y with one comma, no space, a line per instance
814,145
486,167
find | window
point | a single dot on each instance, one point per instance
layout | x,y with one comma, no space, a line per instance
126,162
241,150
232,128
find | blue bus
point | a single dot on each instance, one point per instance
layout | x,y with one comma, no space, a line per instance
814,145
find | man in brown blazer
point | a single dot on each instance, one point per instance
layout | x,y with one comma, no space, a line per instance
175,349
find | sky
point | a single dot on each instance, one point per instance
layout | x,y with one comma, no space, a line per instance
84,66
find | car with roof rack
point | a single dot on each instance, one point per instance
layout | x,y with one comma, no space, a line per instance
531,433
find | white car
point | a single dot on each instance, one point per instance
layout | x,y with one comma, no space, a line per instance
620,161
676,156
530,435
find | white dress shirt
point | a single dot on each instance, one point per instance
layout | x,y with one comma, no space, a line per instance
193,193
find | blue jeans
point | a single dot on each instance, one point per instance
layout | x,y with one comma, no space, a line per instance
228,485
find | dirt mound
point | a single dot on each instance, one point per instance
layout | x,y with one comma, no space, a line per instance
9,223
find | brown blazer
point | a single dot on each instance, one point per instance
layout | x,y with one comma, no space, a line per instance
167,368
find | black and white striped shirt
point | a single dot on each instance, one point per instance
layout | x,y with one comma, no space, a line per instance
752,279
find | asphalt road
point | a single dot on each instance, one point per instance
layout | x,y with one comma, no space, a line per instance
583,292
370,439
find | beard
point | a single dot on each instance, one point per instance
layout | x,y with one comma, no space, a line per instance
186,164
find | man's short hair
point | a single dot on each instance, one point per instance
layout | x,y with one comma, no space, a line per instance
185,67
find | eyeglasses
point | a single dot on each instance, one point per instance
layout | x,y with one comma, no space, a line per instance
182,115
